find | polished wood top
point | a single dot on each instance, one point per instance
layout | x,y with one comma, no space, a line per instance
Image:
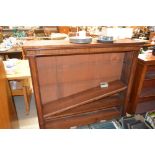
67,44
147,58
12,50
64,47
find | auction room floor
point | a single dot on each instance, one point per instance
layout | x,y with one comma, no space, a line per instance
26,121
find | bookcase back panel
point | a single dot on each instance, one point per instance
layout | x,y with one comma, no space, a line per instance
61,76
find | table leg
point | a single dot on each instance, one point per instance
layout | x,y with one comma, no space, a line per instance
27,96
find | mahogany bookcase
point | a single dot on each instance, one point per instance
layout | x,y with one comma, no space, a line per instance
66,79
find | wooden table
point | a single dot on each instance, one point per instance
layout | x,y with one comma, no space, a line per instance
22,78
11,53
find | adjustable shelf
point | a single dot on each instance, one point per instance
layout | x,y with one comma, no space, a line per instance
82,119
108,102
147,92
82,98
150,76
145,106
145,99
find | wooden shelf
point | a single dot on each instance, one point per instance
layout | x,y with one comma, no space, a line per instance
147,92
150,76
82,98
17,92
113,101
145,99
19,29
86,118
145,106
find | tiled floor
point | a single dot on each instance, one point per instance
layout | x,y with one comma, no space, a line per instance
26,121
